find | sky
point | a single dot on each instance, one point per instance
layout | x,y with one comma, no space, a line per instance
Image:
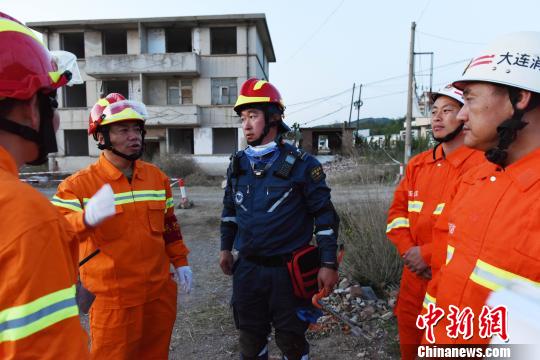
323,47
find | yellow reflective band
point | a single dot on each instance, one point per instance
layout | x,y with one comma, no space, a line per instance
71,204
439,209
259,84
9,25
55,76
494,278
449,253
428,299
415,206
103,102
251,99
126,114
24,320
399,222
169,203
130,197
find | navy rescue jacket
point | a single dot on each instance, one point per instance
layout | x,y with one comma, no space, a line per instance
272,215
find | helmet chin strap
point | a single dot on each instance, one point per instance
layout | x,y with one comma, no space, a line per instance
108,145
449,137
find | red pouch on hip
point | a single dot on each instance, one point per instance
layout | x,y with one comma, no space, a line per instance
303,269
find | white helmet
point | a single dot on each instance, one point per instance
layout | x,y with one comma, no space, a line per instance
449,91
512,59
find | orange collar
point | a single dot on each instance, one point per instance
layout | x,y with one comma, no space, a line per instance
524,173
7,162
113,173
455,158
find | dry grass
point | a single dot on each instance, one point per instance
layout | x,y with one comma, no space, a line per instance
370,258
182,166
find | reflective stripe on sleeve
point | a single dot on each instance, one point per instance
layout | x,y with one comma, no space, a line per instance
71,204
494,278
325,232
399,222
428,299
229,219
449,253
24,320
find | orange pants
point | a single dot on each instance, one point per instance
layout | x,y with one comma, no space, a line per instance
139,332
408,307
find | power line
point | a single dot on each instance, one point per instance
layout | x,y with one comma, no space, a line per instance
423,11
325,115
324,98
315,32
450,39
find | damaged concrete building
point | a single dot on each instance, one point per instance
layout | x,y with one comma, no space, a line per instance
187,70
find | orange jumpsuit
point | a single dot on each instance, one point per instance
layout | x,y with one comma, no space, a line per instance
418,200
494,231
38,262
135,307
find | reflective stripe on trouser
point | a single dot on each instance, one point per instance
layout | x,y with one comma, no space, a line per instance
24,320
494,278
399,222
415,206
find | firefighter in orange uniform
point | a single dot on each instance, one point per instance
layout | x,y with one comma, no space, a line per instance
38,249
135,306
494,219
418,200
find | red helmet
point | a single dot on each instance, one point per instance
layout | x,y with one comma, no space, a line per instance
255,91
26,66
114,108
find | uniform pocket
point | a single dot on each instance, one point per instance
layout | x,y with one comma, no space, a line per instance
156,216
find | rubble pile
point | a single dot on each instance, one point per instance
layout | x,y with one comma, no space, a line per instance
361,306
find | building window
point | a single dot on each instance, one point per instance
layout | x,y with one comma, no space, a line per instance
178,40
116,86
180,141
74,43
76,142
223,40
224,91
114,42
224,141
179,92
74,96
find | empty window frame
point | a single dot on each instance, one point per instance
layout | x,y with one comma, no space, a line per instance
115,86
224,140
74,43
114,42
178,40
74,96
76,142
223,40
179,91
224,91
180,141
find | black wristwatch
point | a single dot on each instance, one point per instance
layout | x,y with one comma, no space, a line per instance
329,265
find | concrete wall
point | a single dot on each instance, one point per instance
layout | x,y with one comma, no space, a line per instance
92,43
156,92
202,141
54,41
155,40
204,35
133,42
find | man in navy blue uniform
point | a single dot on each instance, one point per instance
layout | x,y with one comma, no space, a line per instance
275,200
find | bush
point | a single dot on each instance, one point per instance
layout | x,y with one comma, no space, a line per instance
370,258
176,165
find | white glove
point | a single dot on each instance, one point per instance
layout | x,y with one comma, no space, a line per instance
100,206
185,277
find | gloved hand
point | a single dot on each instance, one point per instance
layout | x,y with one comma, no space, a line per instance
100,206
185,277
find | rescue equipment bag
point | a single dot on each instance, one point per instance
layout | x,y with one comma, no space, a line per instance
303,267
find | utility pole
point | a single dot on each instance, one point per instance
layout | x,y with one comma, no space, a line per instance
352,100
359,105
408,120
